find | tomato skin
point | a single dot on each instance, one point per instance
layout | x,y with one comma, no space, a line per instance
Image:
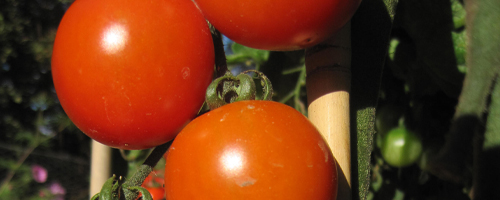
401,147
158,193
129,73
250,150
154,179
278,24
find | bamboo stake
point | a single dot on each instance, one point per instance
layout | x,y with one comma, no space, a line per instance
328,68
100,166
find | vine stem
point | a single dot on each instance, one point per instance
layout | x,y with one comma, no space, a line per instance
220,55
145,169
12,172
299,105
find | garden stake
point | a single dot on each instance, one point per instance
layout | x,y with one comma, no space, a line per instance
328,84
100,169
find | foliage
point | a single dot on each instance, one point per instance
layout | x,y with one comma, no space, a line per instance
424,76
30,116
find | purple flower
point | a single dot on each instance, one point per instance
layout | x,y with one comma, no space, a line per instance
39,173
57,189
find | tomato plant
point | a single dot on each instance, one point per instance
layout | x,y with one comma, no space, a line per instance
131,73
401,147
278,24
387,118
250,150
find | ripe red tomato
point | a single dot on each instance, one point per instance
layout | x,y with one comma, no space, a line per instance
250,150
158,193
130,73
154,179
278,24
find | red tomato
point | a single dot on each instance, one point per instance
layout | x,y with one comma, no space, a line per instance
158,193
278,24
154,179
131,73
250,150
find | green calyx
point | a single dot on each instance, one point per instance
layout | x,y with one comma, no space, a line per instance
114,189
228,88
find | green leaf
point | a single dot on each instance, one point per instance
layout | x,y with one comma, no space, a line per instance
111,189
492,133
242,53
458,12
478,103
371,28
460,46
391,7
145,193
427,25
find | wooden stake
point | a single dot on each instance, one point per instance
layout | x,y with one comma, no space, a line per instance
328,67
100,166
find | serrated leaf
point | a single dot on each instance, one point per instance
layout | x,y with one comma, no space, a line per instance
371,28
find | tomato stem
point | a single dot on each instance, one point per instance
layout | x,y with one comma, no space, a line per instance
144,170
267,87
220,54
230,88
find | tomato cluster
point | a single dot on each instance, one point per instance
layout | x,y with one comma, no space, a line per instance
131,74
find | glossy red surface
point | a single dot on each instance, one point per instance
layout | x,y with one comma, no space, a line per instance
250,150
278,24
131,73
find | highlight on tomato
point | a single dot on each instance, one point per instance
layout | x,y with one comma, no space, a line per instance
250,150
279,24
131,73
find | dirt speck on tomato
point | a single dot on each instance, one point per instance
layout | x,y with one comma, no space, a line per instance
186,72
277,165
224,117
247,182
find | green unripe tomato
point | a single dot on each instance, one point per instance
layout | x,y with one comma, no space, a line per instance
387,118
401,147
